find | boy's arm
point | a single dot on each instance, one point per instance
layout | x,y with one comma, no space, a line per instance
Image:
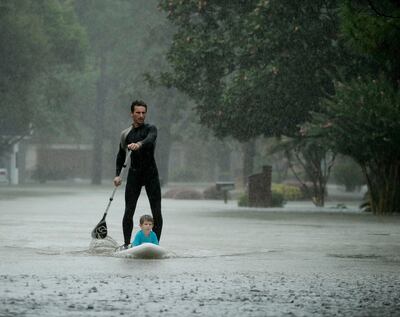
154,238
137,241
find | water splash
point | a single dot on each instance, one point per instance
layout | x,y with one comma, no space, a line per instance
104,246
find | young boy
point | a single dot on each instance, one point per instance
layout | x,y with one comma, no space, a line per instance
145,235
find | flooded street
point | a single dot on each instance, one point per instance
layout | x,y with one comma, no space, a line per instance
224,260
254,102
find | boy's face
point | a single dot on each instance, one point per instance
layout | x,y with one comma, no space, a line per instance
147,226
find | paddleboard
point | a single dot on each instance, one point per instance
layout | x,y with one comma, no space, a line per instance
143,251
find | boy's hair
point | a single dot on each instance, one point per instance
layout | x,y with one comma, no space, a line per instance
138,103
147,218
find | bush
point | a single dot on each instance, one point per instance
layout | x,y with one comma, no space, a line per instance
277,200
289,192
183,193
243,200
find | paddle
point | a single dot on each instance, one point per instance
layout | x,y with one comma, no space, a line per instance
100,231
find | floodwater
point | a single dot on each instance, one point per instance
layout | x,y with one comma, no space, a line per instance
223,260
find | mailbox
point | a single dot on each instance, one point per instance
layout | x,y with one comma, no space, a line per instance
225,187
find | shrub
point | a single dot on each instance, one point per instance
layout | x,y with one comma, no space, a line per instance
183,193
243,200
277,199
289,192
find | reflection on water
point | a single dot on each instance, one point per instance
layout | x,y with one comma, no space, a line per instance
107,246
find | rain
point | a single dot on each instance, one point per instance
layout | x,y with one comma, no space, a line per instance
277,157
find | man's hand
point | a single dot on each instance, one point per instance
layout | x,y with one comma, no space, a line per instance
134,146
117,181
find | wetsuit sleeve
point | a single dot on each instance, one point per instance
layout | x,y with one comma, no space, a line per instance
154,238
150,139
120,160
137,241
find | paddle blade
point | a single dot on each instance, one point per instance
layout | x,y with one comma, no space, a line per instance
100,231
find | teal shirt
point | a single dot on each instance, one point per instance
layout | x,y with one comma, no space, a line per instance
141,238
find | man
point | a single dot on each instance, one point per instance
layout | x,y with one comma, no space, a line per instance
140,139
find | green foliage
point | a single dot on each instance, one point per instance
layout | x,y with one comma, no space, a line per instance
243,200
128,43
262,64
362,120
374,30
39,39
310,161
289,192
277,199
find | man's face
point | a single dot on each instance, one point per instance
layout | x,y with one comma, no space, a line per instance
138,115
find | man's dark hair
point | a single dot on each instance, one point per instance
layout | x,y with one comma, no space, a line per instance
138,103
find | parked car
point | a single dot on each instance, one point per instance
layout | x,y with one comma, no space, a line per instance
4,176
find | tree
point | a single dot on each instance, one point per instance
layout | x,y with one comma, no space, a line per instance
362,120
314,159
102,22
264,64
372,28
40,39
254,67
128,43
114,31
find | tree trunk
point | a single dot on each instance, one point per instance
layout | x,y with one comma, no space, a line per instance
101,95
316,163
249,149
223,162
315,174
383,182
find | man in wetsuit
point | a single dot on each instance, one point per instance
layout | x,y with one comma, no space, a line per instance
140,139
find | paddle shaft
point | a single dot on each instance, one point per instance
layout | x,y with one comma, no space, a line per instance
100,231
121,174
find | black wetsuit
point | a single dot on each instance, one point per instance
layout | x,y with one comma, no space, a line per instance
142,172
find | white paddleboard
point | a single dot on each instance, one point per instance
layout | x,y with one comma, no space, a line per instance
143,251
